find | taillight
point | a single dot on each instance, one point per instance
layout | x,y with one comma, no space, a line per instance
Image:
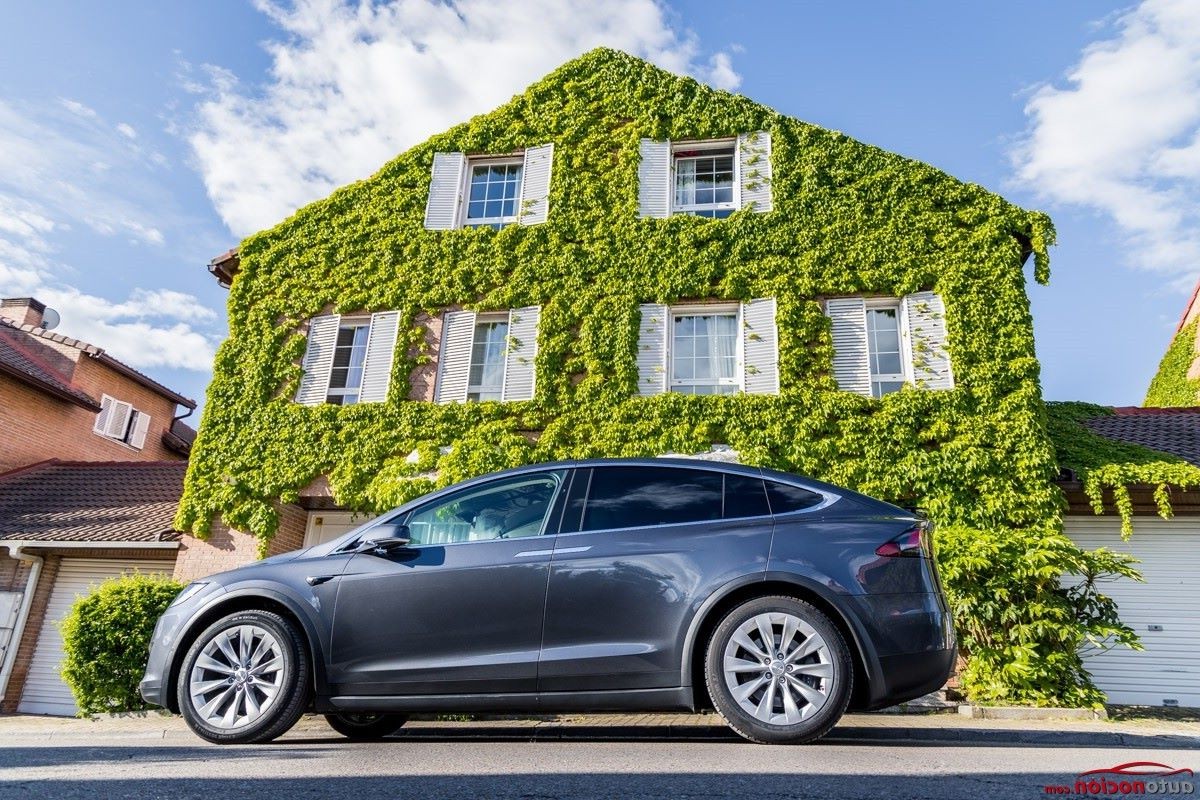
913,542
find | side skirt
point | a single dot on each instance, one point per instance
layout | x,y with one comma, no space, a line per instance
674,699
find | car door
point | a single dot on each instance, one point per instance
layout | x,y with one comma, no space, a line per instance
458,611
640,549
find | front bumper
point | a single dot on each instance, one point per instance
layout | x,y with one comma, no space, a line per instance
168,633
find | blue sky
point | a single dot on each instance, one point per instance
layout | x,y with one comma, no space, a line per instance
138,140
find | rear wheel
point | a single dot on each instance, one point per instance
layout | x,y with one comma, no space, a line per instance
365,726
779,671
245,679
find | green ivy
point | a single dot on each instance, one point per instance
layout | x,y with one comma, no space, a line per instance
1171,386
1104,465
106,641
848,219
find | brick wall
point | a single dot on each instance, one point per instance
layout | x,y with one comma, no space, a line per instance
423,377
226,548
35,426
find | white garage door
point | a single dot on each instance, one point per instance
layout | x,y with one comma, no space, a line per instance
44,691
325,526
1162,611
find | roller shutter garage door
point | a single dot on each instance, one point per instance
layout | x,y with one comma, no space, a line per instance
44,691
1162,611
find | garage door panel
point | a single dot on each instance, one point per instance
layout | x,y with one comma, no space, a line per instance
1166,671
44,691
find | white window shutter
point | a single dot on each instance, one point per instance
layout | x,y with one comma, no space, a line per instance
318,360
925,331
117,423
445,187
101,423
760,347
377,363
652,349
535,184
654,179
754,168
522,350
848,316
141,424
454,359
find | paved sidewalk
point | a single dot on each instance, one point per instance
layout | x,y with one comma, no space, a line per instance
950,728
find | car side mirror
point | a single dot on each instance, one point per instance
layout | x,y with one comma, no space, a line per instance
384,539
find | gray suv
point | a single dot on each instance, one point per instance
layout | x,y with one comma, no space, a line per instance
599,585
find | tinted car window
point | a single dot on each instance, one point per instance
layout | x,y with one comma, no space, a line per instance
785,497
745,496
627,497
576,495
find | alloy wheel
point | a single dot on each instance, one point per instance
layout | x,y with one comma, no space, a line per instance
236,677
778,668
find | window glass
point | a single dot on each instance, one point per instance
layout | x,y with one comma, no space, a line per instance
492,197
785,497
506,509
704,183
628,497
883,347
745,496
345,379
573,512
486,379
704,354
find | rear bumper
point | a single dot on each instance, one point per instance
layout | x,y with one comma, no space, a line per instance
914,674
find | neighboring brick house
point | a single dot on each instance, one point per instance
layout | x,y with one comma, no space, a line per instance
92,458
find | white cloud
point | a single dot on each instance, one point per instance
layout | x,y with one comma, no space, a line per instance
61,173
126,130
1122,136
352,85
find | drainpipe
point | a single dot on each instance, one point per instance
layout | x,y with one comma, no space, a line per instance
14,642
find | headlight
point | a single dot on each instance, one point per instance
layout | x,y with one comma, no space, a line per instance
189,591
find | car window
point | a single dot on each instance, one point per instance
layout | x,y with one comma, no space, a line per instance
745,496
628,497
785,497
506,509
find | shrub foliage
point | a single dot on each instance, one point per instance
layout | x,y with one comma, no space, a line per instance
106,641
848,219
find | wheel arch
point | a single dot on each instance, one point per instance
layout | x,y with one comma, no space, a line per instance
245,600
866,664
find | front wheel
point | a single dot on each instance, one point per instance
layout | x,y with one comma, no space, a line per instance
245,679
364,727
779,671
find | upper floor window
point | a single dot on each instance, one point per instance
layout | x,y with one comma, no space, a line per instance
883,348
493,193
121,422
704,352
881,344
486,379
715,348
704,180
489,191
487,356
348,359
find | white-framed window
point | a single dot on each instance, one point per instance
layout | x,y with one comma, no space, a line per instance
885,352
708,348
349,358
121,422
704,175
485,380
705,352
493,192
880,344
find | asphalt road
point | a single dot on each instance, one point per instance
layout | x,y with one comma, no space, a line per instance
687,765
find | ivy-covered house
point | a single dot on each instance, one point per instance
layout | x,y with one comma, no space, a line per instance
622,261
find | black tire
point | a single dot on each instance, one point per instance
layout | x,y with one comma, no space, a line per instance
364,727
836,687
294,681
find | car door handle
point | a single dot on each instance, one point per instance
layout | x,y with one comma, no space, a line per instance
558,551
317,580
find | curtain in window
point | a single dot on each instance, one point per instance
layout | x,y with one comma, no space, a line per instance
718,338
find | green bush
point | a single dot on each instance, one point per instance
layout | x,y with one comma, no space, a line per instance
106,641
